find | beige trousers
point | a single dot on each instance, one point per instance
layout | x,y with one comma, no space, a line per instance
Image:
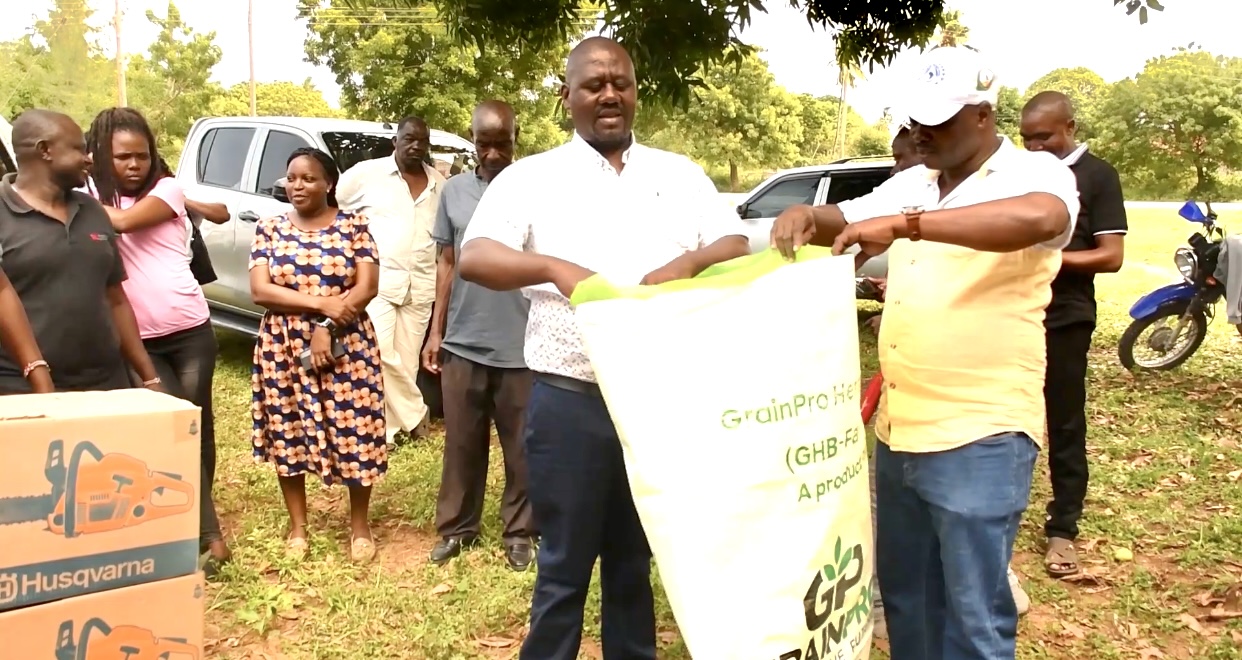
400,329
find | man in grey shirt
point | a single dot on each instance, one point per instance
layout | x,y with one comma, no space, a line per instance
475,343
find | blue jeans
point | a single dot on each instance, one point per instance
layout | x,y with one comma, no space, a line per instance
580,495
946,527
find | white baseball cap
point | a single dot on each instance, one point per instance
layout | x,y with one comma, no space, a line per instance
947,79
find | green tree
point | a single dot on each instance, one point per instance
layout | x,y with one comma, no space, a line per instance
1085,89
820,126
1177,125
59,66
171,84
951,32
671,40
872,140
741,118
393,62
274,99
1009,113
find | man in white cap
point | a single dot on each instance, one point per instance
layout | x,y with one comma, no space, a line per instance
976,234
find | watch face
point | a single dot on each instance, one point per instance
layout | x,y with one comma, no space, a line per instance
912,209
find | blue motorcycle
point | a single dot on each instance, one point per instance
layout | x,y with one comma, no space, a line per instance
1177,315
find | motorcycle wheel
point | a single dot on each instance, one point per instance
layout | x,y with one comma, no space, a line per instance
1172,360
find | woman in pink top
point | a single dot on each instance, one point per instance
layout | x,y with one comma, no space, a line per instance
147,207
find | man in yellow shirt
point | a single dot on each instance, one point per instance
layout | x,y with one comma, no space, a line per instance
974,236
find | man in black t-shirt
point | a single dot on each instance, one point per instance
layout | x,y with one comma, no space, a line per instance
1097,246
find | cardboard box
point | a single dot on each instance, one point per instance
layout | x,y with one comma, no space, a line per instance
100,491
155,620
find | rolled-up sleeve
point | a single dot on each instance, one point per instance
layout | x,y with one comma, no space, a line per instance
503,214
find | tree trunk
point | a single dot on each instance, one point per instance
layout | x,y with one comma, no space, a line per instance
732,176
841,123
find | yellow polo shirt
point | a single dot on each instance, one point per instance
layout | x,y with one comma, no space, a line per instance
962,343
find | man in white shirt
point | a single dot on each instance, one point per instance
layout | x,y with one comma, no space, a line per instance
400,195
635,215
976,234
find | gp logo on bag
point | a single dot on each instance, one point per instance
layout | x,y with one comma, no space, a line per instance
837,630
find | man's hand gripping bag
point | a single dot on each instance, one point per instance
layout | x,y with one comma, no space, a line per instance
736,398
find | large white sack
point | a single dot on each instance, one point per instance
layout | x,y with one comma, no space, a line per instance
736,397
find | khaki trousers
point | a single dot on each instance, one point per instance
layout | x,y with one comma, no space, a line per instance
401,328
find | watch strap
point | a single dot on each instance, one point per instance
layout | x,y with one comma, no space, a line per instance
913,214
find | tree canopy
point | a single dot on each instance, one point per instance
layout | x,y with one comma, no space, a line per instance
171,83
391,63
1177,126
1085,89
671,40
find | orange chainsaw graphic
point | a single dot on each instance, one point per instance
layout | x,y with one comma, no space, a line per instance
113,492
119,643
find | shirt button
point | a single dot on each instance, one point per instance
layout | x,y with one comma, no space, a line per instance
911,262
893,346
892,386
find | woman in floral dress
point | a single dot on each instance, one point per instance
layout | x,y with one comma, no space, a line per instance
314,270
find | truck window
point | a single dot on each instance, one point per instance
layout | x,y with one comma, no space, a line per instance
274,162
851,185
222,156
349,149
782,195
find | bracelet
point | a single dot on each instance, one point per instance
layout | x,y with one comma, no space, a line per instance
153,381
29,369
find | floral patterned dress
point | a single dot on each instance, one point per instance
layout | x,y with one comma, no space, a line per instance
330,423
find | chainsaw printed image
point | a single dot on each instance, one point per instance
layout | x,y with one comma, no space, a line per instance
108,493
98,641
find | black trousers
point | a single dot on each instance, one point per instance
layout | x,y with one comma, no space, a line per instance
1065,399
186,364
581,497
476,396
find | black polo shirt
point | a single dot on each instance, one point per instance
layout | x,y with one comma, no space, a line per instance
62,273
1103,212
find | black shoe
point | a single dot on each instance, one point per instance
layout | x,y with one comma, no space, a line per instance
520,553
449,548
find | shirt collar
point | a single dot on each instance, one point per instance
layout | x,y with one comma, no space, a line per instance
16,203
584,147
1076,154
433,175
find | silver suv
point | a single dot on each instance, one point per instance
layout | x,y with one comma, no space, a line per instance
240,162
815,184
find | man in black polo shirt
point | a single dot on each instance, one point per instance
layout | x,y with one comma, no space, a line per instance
60,253
1097,247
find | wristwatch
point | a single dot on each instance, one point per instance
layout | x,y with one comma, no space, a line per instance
913,213
327,324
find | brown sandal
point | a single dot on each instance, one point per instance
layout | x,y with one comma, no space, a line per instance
1062,558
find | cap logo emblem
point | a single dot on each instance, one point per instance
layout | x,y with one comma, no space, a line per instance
986,78
933,74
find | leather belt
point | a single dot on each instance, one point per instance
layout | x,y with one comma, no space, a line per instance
567,383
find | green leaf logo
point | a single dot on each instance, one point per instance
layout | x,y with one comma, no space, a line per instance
836,553
844,562
830,572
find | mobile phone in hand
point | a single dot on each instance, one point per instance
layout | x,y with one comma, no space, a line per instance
338,352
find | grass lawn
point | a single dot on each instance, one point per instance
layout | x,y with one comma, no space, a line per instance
1167,485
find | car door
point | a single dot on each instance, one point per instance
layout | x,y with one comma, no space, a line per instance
843,185
759,211
267,163
220,161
